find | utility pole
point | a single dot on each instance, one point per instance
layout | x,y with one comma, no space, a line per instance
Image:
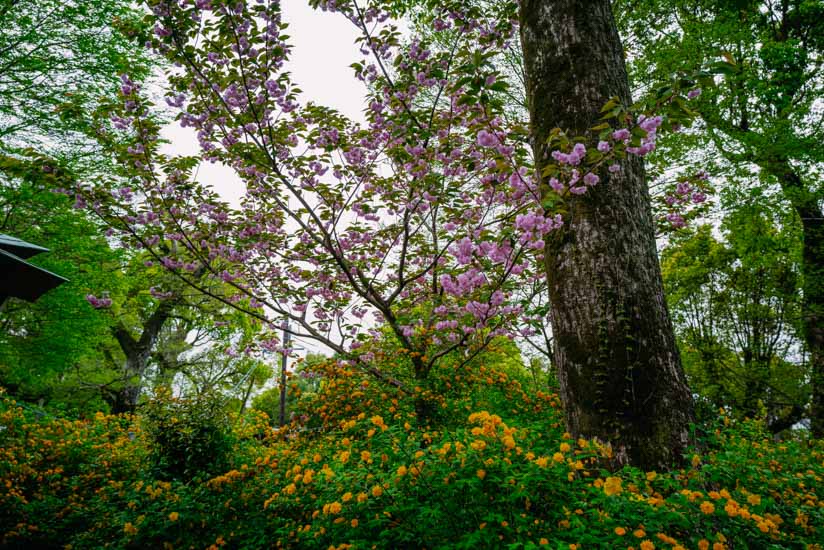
285,342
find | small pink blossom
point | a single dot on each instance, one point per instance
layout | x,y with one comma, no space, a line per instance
487,139
621,135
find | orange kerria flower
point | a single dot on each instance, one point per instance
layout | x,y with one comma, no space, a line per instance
612,486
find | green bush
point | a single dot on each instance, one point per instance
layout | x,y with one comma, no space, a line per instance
188,437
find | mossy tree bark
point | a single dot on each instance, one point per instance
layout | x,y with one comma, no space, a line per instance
619,369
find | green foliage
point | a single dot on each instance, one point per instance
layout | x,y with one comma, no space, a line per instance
60,351
770,59
761,135
57,60
374,479
490,467
735,304
189,437
50,349
268,401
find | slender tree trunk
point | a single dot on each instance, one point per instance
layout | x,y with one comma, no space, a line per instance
808,207
246,395
813,314
618,366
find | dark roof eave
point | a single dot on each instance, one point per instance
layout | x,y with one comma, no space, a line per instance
23,280
19,247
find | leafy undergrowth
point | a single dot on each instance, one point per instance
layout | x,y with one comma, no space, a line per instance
357,472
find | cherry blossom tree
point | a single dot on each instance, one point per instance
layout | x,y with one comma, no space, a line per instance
427,218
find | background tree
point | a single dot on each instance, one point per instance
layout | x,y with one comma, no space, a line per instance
57,61
165,328
51,348
61,351
736,308
762,121
218,356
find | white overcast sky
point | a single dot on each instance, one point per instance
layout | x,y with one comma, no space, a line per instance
323,47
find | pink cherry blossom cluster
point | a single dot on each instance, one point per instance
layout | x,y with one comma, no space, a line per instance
688,192
99,303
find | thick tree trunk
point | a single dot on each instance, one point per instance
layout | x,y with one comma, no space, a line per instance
618,365
137,352
124,400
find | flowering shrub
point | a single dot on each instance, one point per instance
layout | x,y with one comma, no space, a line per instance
51,470
453,389
371,477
